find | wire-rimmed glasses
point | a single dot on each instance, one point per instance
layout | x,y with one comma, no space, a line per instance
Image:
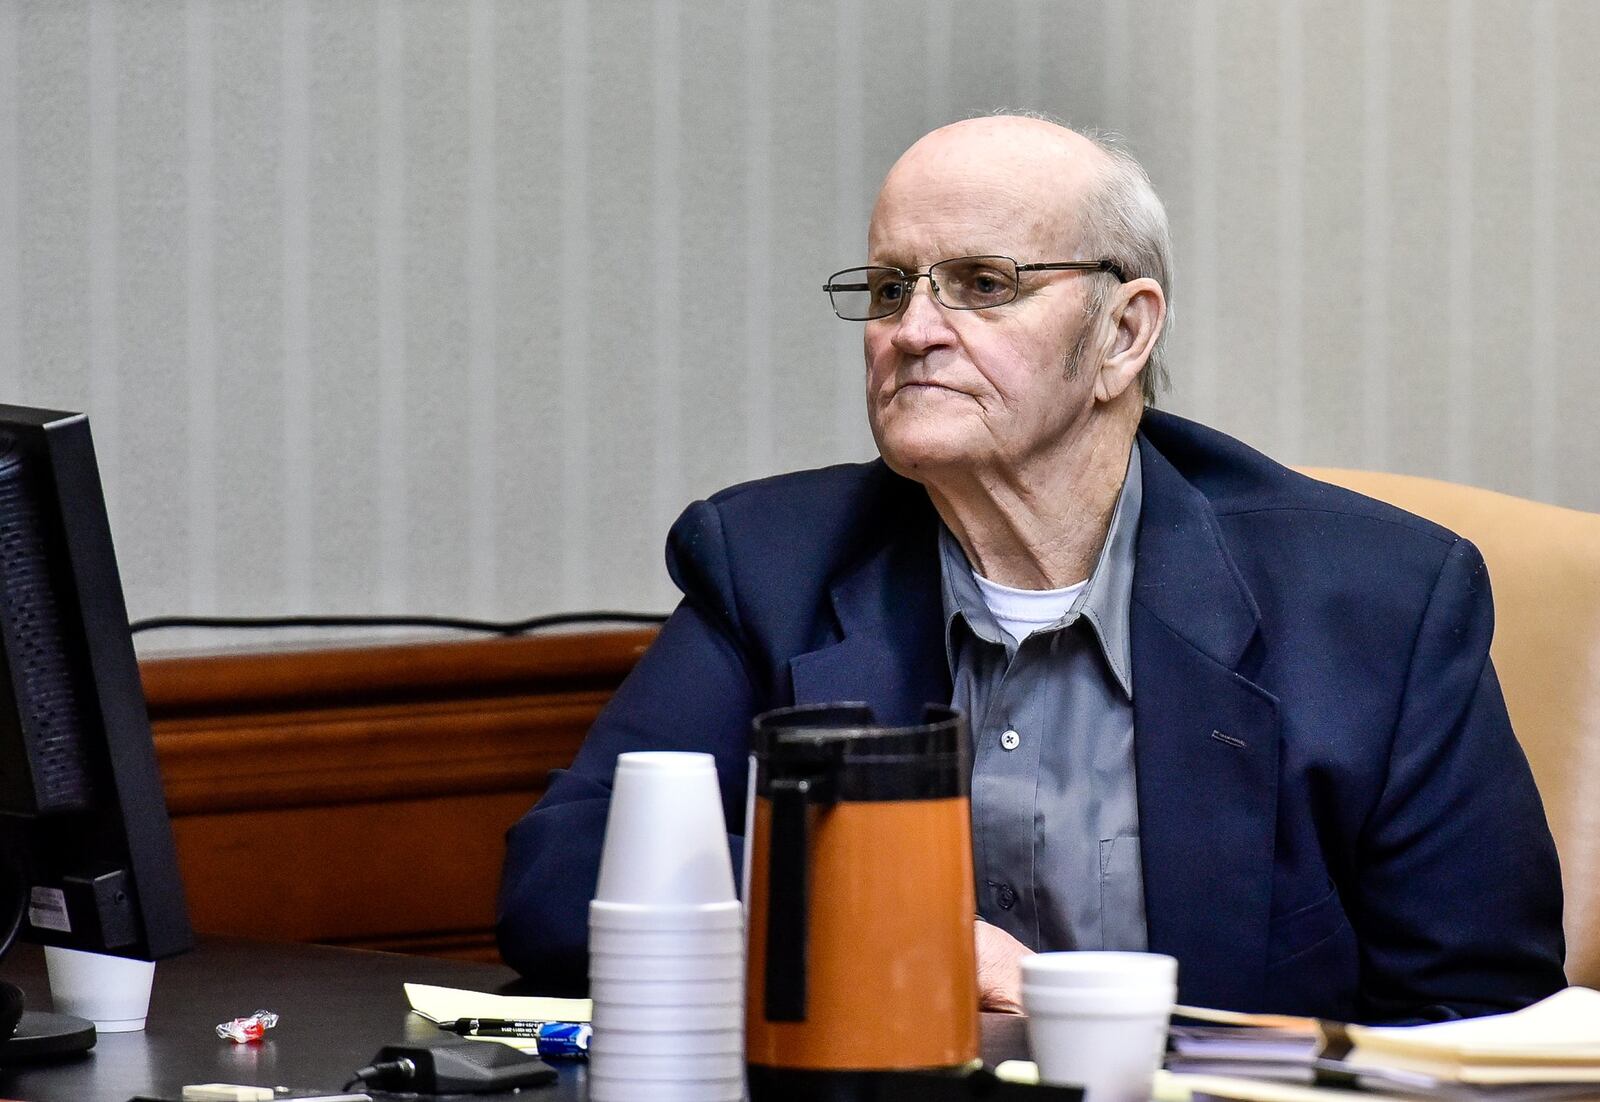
961,283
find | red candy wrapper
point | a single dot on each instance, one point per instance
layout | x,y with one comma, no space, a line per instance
242,1031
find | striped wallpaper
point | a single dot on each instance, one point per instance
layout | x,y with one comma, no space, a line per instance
451,305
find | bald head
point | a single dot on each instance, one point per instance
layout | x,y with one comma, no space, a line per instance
1020,144
1034,173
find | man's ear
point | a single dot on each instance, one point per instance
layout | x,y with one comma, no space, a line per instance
1137,314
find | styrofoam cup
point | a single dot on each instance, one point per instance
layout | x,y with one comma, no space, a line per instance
666,1019
112,992
609,1065
607,1089
666,840
1099,1024
1093,968
632,966
666,918
1112,1002
681,993
1113,1057
709,1042
667,943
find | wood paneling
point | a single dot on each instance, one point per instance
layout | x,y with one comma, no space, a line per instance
348,874
359,796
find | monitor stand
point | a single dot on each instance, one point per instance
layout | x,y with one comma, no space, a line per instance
41,1036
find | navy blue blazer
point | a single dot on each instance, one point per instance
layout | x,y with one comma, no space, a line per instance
1365,844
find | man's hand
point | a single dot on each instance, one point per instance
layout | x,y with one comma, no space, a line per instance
999,969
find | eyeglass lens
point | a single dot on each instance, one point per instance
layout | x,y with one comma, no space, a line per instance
965,283
975,282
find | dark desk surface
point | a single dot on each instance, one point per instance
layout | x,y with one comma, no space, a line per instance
337,1007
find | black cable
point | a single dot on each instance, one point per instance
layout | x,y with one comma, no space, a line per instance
11,874
394,1074
493,627
11,998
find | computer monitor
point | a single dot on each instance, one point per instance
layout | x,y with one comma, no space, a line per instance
86,852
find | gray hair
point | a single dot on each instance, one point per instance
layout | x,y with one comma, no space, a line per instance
1124,220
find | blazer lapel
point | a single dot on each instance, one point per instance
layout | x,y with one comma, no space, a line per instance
1206,743
891,651
1205,749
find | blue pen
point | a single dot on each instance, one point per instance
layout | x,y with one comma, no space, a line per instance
562,1040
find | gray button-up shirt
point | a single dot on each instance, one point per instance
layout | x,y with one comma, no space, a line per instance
1055,813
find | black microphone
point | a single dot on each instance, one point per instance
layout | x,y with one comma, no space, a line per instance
453,1067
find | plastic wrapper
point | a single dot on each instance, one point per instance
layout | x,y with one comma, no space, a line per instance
242,1031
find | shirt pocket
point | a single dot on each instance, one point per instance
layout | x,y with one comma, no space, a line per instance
1122,921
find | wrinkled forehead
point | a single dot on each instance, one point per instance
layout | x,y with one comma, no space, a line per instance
964,198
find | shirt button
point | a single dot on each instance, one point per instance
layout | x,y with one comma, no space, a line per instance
1007,897
1010,740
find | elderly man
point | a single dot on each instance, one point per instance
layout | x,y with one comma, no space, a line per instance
1219,710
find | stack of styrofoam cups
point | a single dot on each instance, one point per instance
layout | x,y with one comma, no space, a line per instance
666,940
1098,1020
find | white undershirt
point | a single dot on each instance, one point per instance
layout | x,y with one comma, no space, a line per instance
1023,611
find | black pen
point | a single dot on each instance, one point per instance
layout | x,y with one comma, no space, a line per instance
554,1038
494,1027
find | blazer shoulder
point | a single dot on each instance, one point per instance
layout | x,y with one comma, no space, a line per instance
1241,483
826,512
776,543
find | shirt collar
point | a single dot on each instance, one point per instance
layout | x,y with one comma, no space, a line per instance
1104,602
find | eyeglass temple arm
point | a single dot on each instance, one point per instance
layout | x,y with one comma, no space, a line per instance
1077,266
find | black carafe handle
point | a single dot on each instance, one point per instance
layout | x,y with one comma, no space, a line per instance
788,900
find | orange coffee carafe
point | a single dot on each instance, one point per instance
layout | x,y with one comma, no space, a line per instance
859,901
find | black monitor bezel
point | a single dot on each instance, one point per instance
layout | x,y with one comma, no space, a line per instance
58,446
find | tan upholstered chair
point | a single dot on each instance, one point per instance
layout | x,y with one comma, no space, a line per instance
1544,565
